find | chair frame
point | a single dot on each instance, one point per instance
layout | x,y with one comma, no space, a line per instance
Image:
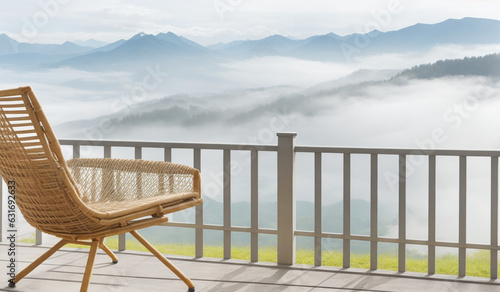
57,200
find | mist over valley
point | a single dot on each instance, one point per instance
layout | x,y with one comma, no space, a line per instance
426,86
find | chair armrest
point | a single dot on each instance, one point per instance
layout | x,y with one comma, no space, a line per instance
110,179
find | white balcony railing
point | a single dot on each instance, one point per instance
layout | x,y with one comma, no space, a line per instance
286,214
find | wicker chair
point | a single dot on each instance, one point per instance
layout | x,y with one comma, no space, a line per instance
83,201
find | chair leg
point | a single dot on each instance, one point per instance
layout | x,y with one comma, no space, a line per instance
163,259
90,266
37,262
106,249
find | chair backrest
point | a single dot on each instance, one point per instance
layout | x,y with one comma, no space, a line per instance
31,157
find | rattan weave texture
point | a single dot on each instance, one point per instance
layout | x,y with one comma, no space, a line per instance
62,198
84,198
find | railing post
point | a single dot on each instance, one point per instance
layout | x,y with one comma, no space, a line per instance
286,198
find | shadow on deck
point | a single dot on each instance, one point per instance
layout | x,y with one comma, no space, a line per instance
138,271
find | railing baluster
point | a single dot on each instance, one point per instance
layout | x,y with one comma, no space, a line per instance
167,157
494,218
107,151
431,260
347,211
402,215
254,205
317,208
167,154
373,211
462,217
138,155
38,237
76,151
198,210
138,152
227,203
107,175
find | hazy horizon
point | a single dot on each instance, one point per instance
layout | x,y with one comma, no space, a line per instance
210,22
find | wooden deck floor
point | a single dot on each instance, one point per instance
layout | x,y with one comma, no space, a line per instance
138,271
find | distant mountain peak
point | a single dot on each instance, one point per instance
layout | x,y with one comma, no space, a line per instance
276,36
179,40
168,35
4,36
140,35
332,35
90,43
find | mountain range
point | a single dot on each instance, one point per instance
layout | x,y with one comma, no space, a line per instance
171,49
332,47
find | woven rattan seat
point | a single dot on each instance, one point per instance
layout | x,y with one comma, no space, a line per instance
85,200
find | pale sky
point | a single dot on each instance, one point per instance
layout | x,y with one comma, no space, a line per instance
211,21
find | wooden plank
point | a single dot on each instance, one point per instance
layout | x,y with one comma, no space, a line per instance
19,125
23,132
12,105
29,138
16,112
15,119
2,99
11,92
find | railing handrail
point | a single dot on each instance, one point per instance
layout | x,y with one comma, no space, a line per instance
158,144
398,151
263,147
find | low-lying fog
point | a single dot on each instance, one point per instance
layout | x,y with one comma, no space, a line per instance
451,112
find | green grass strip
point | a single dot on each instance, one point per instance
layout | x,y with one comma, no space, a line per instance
478,263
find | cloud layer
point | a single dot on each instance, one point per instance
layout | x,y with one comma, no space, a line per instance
209,22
